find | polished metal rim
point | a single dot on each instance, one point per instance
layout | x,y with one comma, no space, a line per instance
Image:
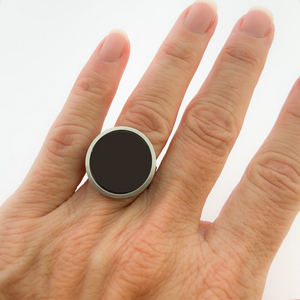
138,190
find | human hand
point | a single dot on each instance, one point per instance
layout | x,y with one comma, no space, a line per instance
57,244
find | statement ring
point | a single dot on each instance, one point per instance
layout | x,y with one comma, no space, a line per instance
120,162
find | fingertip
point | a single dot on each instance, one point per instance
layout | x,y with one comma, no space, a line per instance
211,3
114,46
120,31
264,10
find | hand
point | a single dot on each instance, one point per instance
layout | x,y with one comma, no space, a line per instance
56,243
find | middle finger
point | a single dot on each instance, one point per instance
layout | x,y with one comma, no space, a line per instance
153,106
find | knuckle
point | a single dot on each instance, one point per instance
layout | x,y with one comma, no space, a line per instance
92,84
241,56
227,92
233,76
211,126
180,53
278,175
149,118
294,113
64,142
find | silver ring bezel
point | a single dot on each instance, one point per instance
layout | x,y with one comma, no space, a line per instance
138,190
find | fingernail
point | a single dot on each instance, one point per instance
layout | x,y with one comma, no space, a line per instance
257,22
200,16
114,45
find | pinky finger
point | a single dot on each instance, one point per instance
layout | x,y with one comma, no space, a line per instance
263,206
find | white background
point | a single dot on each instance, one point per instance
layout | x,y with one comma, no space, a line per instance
45,44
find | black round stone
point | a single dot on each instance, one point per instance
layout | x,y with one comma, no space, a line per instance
120,161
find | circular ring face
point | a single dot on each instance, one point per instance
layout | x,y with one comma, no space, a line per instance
120,162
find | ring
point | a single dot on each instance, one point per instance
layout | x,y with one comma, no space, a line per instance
120,162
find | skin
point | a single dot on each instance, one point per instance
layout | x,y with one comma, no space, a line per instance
56,243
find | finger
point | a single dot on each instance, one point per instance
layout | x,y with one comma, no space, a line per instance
261,209
212,121
59,166
153,106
